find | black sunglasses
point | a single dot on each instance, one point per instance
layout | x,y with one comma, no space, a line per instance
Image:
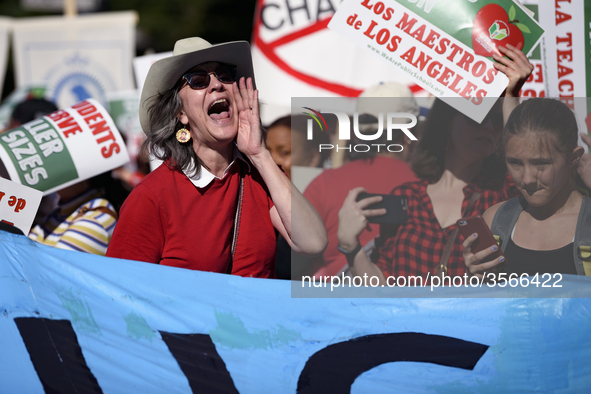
225,73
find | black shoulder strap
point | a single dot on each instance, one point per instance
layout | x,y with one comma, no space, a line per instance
237,215
507,215
441,269
504,221
582,244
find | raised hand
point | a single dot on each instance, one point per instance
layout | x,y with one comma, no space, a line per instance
515,66
353,217
250,135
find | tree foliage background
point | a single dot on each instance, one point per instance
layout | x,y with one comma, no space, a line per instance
162,22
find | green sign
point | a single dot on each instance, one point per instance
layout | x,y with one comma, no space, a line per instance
483,25
40,155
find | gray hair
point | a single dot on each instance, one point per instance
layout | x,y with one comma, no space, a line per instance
161,142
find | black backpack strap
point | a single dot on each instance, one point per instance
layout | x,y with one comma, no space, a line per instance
237,216
504,221
582,244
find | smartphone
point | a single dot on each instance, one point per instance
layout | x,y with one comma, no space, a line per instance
476,224
396,208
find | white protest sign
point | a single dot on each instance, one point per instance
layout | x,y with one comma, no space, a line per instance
432,44
63,148
78,58
536,85
295,55
18,204
124,109
566,55
142,64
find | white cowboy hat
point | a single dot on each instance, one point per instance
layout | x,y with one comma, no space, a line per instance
188,53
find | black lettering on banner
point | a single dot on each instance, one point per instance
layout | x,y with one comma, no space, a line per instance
56,355
335,368
328,9
291,10
264,20
200,362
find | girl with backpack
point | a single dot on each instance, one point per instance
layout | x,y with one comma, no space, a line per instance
547,229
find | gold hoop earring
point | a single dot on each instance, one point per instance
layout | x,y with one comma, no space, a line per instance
183,135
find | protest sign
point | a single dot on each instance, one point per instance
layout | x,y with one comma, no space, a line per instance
124,109
18,204
63,148
536,85
296,55
566,53
74,322
78,58
142,64
446,51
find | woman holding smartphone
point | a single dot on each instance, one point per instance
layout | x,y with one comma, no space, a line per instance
540,226
460,176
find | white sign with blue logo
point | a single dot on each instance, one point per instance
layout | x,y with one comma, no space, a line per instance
78,58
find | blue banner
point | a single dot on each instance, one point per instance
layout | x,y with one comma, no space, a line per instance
73,322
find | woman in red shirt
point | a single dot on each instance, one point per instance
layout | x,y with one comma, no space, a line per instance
215,202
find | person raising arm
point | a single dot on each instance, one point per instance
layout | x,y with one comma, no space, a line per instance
460,177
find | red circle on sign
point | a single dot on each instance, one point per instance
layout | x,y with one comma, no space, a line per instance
269,49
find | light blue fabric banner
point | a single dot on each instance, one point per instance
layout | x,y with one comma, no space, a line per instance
76,322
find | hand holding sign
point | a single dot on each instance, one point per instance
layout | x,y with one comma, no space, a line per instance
435,46
514,65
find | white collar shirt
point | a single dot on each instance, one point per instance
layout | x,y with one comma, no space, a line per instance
204,177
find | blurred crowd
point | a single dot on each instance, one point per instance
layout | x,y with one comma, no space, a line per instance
443,168
59,222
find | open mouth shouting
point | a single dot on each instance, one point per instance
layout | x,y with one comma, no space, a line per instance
220,110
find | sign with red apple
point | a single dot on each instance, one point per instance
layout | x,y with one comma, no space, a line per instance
493,27
296,55
483,25
432,42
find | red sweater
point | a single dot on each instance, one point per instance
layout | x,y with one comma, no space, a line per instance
168,220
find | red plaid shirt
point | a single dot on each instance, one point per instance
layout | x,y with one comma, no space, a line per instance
416,248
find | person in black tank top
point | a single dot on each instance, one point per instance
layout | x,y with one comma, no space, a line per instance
531,262
540,149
